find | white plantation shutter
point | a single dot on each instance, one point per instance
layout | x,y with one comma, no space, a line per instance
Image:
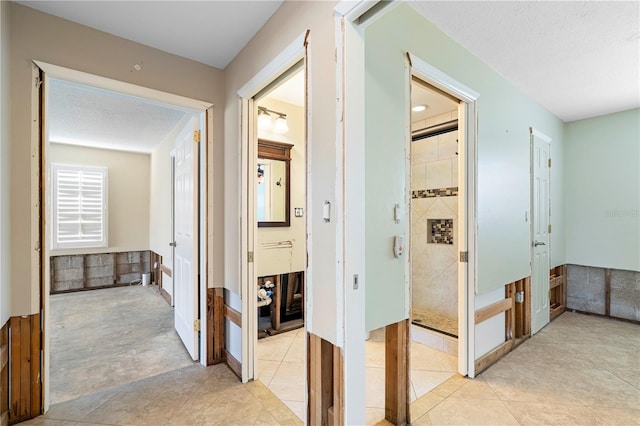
79,206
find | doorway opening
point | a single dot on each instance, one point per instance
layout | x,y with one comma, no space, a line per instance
110,285
434,213
280,252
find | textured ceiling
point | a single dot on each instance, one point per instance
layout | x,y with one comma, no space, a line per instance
211,32
436,103
578,59
82,115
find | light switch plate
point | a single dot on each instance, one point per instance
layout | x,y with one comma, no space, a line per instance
298,211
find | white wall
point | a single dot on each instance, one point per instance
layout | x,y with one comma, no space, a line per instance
35,35
602,191
128,194
504,116
271,261
289,22
5,225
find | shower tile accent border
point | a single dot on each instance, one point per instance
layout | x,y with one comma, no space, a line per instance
433,193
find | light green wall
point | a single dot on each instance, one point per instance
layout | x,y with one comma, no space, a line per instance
504,116
602,191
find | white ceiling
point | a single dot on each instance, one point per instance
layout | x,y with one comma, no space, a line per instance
83,115
579,59
290,91
436,103
211,32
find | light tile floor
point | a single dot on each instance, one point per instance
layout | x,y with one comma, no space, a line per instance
579,370
281,367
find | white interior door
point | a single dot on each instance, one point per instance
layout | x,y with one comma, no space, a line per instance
540,211
186,238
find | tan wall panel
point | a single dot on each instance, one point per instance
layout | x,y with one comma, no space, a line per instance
35,35
128,200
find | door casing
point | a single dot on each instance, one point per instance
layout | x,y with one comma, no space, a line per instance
39,141
467,215
294,53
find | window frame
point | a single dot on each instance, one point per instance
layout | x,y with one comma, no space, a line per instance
104,241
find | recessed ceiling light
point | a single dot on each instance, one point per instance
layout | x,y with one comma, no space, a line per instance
419,108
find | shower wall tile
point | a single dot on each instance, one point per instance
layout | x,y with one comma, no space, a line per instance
447,146
439,174
440,210
424,150
454,173
418,176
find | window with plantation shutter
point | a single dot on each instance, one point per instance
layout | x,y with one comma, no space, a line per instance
79,206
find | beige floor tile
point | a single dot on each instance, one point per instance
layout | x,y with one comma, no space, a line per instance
422,405
296,352
374,352
425,381
374,391
617,416
601,388
78,408
298,408
265,419
274,348
530,383
424,420
288,390
233,406
425,358
475,389
463,411
266,370
373,415
531,413
290,371
449,386
42,421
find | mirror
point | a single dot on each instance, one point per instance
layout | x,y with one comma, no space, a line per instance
273,188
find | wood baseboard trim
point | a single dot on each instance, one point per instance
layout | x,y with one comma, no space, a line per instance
215,326
233,315
234,364
490,358
165,295
4,375
25,388
166,270
397,383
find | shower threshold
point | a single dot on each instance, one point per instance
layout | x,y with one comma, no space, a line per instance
435,322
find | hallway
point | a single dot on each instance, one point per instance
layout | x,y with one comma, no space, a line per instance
578,370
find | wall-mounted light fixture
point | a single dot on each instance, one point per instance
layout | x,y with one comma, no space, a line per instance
266,122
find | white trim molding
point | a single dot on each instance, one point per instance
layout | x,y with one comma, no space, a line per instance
68,74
